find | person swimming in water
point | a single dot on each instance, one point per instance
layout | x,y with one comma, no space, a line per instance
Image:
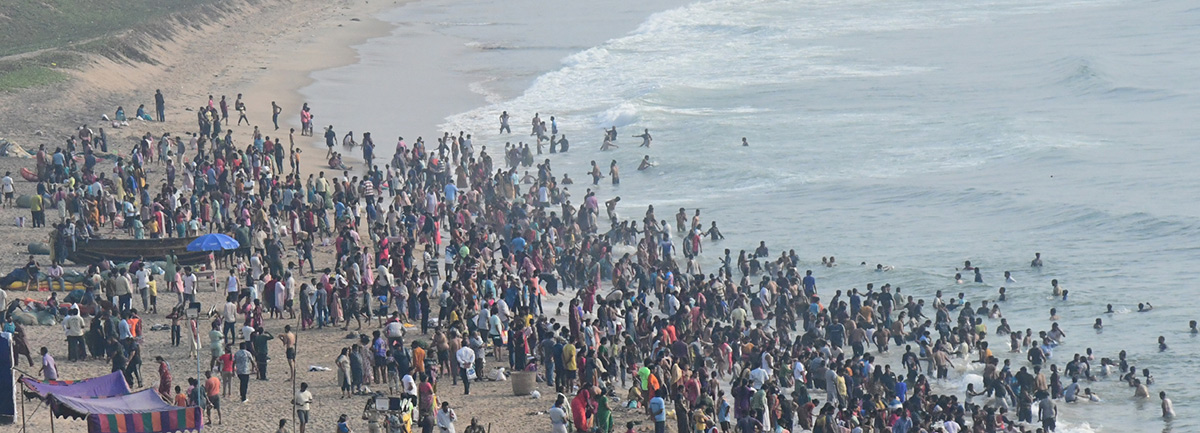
1168,409
1099,325
1110,310
1145,308
1008,277
645,136
1037,261
1192,328
645,163
745,143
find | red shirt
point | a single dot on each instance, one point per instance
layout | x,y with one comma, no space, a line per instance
226,363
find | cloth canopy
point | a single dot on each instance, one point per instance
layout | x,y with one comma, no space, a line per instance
108,406
112,384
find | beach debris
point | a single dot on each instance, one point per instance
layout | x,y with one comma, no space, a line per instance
318,368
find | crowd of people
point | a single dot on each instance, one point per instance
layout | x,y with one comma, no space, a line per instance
473,256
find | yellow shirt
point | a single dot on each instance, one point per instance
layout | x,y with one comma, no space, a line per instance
569,356
35,203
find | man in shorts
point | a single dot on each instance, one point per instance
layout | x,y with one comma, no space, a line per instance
213,386
303,402
289,345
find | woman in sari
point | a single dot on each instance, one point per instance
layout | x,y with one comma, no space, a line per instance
164,379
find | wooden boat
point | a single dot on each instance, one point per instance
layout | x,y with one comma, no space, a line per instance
123,250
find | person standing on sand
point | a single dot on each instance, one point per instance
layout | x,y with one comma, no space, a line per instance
275,110
288,338
241,109
330,140
160,105
303,402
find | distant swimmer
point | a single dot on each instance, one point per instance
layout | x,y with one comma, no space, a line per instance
967,266
1064,294
611,133
1162,343
596,173
645,163
715,234
1037,261
1145,308
608,144
1099,325
1008,278
1140,390
882,268
978,275
1003,297
614,173
1192,328
1168,409
645,137
563,144
1053,314
1109,310
1056,289
745,143
958,279
567,180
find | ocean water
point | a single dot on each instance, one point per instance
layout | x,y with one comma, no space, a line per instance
914,134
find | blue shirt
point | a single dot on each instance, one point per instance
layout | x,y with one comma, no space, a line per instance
657,405
451,192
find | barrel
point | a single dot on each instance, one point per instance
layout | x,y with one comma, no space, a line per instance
522,382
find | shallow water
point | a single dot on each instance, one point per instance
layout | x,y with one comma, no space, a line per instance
915,134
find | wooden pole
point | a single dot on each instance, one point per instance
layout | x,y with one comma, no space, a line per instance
23,414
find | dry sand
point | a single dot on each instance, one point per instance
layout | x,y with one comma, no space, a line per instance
265,50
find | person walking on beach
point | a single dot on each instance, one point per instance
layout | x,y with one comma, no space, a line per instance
160,105
466,360
243,363
241,109
213,386
224,107
330,140
303,402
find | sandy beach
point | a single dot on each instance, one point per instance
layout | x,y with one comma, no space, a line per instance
266,51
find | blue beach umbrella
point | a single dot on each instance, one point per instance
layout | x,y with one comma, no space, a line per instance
213,242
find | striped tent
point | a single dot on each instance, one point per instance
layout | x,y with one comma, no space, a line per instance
142,411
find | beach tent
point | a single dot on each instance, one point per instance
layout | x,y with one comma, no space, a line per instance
109,385
108,406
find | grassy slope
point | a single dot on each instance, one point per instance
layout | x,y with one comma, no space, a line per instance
63,27
29,25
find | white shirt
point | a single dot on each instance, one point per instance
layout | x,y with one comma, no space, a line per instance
466,357
231,285
410,386
7,183
189,284
395,330
143,278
